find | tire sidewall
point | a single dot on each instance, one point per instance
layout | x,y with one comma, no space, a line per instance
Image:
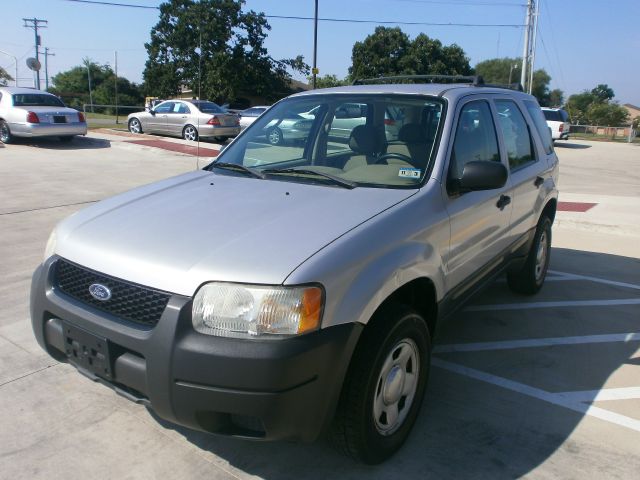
139,125
543,226
378,446
8,138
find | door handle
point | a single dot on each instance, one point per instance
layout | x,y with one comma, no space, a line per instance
503,201
538,181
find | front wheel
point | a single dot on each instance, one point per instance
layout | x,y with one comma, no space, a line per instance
5,133
385,385
530,278
190,133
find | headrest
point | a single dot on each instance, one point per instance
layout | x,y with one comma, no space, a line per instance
411,133
363,140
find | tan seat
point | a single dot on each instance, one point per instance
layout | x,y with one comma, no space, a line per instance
413,144
365,144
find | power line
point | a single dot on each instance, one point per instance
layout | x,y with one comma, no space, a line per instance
334,20
465,3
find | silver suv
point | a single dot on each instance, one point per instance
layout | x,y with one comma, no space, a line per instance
288,290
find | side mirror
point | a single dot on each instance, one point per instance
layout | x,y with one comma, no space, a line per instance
482,175
152,111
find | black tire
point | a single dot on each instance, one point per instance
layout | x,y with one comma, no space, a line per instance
356,430
275,137
5,132
190,133
66,139
135,126
530,278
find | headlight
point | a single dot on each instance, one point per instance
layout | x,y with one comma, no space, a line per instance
51,245
235,310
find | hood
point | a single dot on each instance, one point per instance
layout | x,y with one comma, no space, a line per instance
176,234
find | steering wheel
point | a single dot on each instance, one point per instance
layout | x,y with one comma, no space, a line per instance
387,156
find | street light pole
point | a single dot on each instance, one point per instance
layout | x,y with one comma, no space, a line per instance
15,59
315,45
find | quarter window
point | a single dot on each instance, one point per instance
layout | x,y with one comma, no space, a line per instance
516,134
475,138
541,125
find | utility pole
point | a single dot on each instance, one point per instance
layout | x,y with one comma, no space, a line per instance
314,71
115,59
525,52
35,24
46,67
533,45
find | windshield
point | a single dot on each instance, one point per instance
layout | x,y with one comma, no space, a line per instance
208,107
365,140
36,100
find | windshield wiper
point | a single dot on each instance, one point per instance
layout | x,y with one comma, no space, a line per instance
308,171
239,168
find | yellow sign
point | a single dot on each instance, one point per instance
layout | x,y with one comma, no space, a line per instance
315,71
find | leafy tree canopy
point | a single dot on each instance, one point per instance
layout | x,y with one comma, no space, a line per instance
215,48
596,107
5,77
73,86
328,81
390,51
507,70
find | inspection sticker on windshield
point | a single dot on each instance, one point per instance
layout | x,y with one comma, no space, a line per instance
410,172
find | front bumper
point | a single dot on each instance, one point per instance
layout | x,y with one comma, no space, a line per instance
48,129
260,389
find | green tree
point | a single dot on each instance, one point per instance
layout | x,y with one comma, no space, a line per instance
596,107
607,114
556,97
389,51
501,70
73,86
5,77
603,92
328,81
215,48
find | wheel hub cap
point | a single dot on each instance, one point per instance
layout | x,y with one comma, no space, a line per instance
393,384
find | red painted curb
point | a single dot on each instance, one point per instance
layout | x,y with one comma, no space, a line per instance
575,206
177,147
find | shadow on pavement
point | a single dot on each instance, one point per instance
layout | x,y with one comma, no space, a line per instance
78,143
468,428
575,146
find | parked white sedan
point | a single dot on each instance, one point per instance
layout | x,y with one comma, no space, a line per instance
27,112
187,119
248,116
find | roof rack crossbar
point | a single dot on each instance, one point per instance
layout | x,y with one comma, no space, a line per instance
475,80
510,86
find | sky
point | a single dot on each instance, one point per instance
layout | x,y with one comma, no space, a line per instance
581,43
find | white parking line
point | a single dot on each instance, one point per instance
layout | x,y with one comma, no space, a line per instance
554,398
573,276
625,393
557,304
537,342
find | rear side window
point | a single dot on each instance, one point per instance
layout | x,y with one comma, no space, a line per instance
475,138
541,125
553,115
515,133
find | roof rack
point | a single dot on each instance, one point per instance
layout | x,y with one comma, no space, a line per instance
510,86
475,80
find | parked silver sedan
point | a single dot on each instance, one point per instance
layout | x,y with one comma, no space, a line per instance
27,112
187,119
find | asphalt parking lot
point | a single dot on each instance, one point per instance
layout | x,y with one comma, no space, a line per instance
540,387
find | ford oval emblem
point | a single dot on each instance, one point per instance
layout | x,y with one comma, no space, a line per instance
100,292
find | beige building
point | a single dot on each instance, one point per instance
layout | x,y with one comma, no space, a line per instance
633,110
